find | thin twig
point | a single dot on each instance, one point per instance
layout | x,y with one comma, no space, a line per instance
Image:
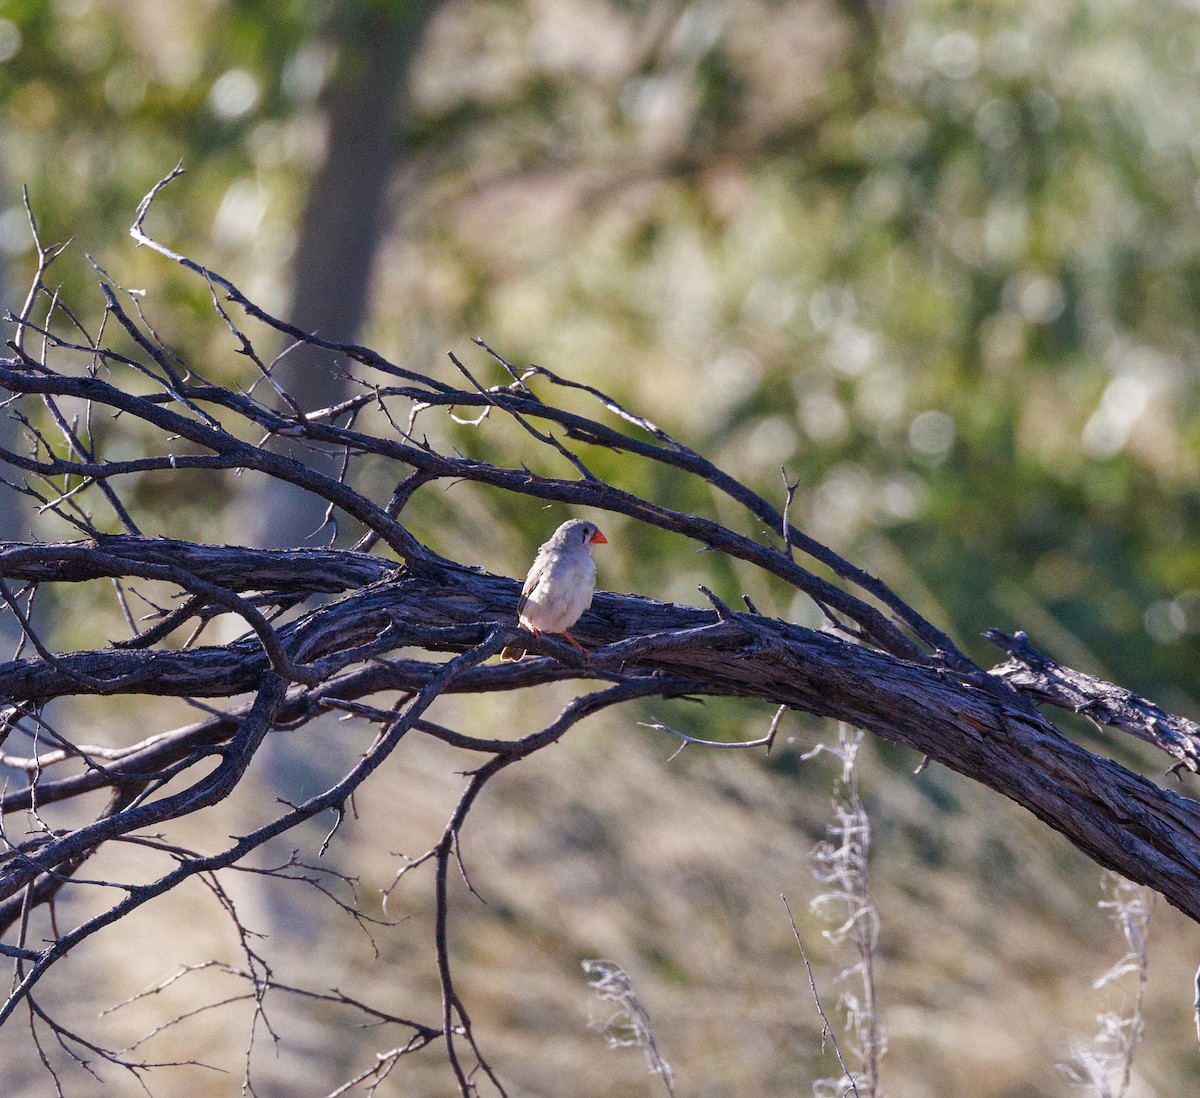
827,1033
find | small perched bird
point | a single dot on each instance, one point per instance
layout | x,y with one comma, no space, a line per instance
559,586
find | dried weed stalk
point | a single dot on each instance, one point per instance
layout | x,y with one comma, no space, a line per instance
628,1026
1105,1067
840,863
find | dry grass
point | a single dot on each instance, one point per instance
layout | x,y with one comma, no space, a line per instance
1105,1066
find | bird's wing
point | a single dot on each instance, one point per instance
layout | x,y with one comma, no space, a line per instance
531,580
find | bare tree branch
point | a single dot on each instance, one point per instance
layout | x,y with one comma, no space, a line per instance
325,629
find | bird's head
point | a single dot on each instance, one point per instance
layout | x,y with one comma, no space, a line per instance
579,534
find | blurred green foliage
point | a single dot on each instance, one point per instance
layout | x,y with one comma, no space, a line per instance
101,99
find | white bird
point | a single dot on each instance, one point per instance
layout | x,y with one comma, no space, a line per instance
560,584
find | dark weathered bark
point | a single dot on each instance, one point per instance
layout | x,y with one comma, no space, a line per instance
991,734
1103,703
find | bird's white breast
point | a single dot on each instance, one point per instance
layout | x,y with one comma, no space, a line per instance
562,593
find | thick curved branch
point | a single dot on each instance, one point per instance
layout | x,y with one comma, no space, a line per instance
994,736
1105,704
233,567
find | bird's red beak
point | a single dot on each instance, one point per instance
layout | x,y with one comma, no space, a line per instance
599,539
